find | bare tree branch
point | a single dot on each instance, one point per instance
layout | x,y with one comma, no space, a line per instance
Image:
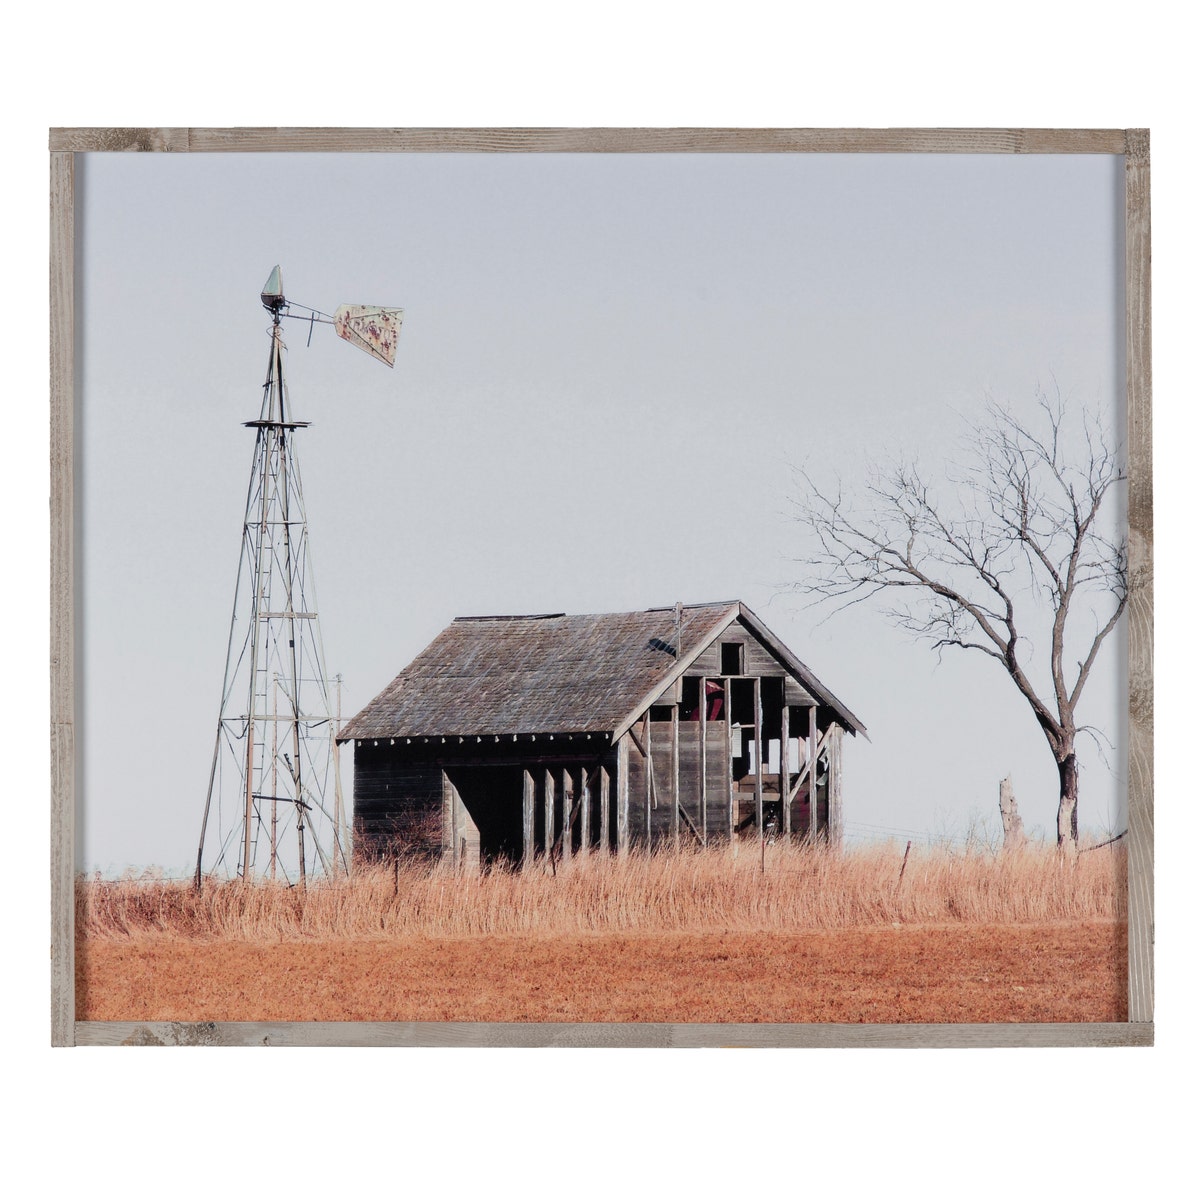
1007,557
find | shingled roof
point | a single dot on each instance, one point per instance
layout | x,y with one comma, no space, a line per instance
550,673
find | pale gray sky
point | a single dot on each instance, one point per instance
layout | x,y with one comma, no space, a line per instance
607,367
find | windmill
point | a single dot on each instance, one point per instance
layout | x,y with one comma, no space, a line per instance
274,798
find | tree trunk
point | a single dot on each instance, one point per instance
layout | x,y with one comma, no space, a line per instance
1068,804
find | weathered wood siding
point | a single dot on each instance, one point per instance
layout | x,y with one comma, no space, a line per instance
397,806
716,775
757,659
460,833
801,810
470,805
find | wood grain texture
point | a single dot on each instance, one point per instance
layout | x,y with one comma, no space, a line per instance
614,141
1141,577
62,608
417,1033
117,140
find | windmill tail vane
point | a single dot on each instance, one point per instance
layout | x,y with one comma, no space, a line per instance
373,329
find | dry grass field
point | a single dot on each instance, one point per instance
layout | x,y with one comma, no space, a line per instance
699,936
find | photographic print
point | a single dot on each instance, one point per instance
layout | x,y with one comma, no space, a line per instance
727,586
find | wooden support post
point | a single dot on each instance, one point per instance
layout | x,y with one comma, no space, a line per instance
758,761
834,791
703,759
585,813
728,683
813,828
449,821
802,774
605,801
784,772
649,781
623,796
567,803
529,792
549,808
675,776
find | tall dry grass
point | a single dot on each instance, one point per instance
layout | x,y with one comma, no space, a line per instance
694,891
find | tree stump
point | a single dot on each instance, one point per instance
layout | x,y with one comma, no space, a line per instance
1014,832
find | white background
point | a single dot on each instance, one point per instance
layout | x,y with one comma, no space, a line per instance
1100,1123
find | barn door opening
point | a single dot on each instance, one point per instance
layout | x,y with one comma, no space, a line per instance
492,797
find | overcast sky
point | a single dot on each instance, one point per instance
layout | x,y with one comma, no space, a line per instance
608,368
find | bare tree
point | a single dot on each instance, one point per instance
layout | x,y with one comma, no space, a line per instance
1012,560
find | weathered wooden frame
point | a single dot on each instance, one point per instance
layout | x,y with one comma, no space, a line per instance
1133,144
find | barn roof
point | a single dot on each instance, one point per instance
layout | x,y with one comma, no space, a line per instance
553,672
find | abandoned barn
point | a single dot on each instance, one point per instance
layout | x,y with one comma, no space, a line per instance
509,738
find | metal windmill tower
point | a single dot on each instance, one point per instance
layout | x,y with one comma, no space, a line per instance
274,800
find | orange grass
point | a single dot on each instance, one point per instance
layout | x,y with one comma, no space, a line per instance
694,891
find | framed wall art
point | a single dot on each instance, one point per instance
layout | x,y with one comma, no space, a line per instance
736,595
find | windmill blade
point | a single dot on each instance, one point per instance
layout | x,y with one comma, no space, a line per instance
371,328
